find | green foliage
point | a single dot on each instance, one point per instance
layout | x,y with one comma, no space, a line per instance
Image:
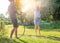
1,21
56,6
50,17
50,24
2,26
7,21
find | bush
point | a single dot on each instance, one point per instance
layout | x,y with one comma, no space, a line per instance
50,25
2,28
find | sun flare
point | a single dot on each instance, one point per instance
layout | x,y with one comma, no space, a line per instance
27,4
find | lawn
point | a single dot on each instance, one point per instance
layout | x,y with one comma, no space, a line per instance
47,35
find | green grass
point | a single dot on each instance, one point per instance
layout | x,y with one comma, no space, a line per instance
47,35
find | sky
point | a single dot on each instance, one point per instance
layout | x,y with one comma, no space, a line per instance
3,6
5,3
28,4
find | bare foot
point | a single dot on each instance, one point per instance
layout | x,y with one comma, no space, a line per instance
10,38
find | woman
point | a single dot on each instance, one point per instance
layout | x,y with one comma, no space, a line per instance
37,18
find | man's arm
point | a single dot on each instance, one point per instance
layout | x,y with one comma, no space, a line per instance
18,13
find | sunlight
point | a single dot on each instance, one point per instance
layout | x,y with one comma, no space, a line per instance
3,6
27,4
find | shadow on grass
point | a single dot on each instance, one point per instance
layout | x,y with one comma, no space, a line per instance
22,40
54,38
45,37
6,40
50,37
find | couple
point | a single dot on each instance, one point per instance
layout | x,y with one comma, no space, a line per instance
12,13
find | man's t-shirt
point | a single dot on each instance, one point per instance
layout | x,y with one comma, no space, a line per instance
12,11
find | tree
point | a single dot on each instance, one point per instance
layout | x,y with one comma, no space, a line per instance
2,25
56,6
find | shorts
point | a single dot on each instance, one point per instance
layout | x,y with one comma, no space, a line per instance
14,20
37,21
15,23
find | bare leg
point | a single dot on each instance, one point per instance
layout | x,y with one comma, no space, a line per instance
36,29
16,33
39,29
12,32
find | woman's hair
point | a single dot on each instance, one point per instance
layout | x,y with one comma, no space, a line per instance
11,0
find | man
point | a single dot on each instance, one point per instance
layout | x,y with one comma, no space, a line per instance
12,13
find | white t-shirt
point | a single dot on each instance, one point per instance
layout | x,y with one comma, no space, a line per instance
37,14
